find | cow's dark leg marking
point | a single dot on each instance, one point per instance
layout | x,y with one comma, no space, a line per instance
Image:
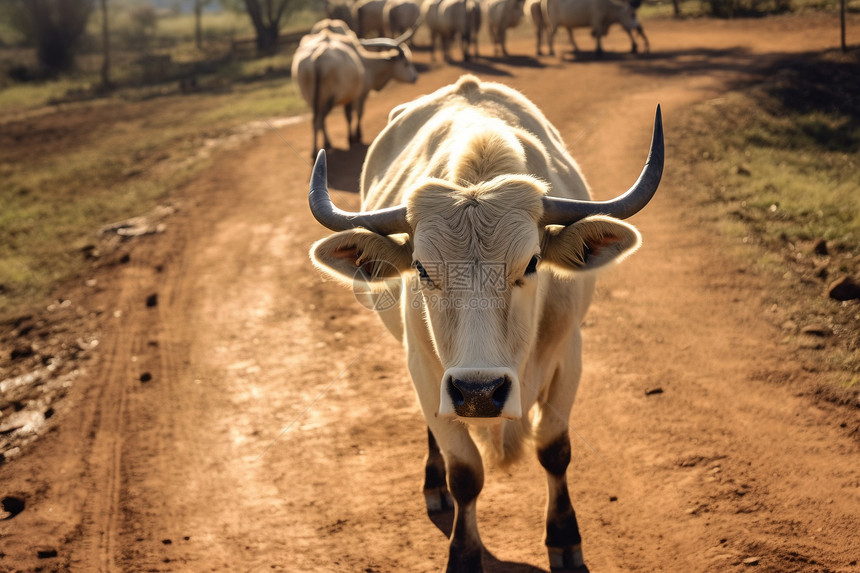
464,552
347,109
435,486
563,540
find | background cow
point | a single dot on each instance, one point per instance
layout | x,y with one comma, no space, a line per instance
598,15
332,67
501,15
450,19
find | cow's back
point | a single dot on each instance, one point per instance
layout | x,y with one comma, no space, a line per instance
331,64
419,141
452,17
570,13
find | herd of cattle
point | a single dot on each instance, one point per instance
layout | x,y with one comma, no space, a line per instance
477,244
450,19
361,46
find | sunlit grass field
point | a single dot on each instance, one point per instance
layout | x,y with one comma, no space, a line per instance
76,162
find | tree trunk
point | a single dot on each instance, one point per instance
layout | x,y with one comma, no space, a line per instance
267,23
105,45
198,26
267,38
54,53
57,30
842,24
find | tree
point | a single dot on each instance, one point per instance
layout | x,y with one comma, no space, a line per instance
54,26
198,24
105,45
266,15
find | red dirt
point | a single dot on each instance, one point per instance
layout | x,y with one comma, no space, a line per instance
260,442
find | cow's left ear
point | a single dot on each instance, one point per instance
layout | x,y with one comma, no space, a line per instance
590,244
361,255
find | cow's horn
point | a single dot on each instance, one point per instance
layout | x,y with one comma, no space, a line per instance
379,43
559,211
405,36
383,221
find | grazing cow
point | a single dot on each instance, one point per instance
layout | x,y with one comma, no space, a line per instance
598,15
449,19
501,15
335,69
533,9
476,217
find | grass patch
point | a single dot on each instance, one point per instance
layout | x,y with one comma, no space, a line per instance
67,170
788,152
780,163
73,160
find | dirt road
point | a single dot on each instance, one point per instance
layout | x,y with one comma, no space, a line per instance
235,426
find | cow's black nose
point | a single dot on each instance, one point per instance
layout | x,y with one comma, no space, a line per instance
483,399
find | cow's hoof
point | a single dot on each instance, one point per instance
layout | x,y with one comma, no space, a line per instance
566,559
438,500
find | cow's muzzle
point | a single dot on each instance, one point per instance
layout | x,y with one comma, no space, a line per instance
480,393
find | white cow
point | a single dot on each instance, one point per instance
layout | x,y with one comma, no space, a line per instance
533,9
477,217
502,15
367,15
400,16
598,15
450,19
334,68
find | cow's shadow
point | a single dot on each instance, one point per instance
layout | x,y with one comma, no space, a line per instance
584,56
516,61
479,65
444,521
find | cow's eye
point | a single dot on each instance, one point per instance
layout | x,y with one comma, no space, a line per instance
532,268
422,273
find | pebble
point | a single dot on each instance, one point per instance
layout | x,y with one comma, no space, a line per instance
817,330
46,553
844,288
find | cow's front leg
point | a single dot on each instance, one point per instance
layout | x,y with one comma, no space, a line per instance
563,541
436,492
465,480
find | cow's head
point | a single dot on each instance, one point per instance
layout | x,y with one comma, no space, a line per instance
470,257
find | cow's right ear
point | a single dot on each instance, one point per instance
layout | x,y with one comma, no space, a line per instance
361,255
588,245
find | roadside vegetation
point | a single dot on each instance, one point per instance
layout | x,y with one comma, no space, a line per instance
75,157
780,164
